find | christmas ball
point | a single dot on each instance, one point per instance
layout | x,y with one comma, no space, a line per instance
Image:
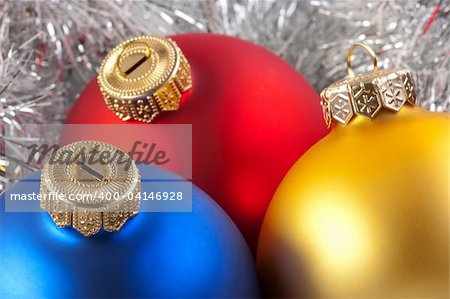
155,255
363,214
252,117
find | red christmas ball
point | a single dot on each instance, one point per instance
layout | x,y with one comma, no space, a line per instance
252,117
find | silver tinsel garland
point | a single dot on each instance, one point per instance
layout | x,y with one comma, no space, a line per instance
51,49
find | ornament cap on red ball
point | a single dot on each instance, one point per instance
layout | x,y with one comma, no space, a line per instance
252,117
143,76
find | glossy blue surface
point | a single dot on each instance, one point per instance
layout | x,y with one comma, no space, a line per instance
194,254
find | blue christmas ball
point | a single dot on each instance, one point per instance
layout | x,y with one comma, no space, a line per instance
155,255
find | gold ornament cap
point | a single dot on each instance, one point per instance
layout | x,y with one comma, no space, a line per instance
143,76
90,185
367,94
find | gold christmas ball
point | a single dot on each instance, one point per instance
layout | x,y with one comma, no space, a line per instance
364,213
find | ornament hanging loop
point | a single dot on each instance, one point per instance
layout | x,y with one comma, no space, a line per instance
350,54
147,53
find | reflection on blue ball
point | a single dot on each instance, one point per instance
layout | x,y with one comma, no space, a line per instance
193,254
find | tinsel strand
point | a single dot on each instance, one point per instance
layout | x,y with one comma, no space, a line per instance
51,49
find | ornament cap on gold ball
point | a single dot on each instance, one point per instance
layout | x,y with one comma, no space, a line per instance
367,94
144,76
80,188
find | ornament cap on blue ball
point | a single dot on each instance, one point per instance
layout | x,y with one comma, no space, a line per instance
87,191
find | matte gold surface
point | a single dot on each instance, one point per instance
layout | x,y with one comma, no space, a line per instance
364,213
143,76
